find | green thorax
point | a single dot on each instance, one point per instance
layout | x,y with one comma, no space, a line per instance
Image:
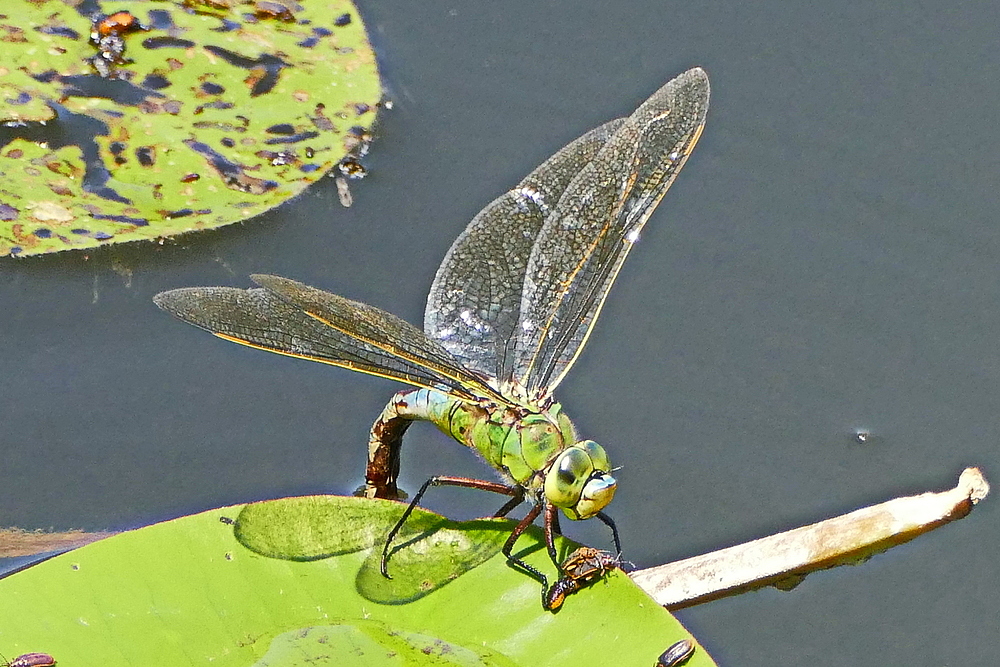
520,442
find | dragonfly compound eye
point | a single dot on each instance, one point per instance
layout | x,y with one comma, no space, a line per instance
578,482
565,479
598,457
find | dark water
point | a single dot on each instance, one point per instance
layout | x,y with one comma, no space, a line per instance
827,262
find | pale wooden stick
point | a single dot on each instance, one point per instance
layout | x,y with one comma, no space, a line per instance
783,560
15,542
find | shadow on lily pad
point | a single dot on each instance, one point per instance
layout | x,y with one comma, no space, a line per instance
429,552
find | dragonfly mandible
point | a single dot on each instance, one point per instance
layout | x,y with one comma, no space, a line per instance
508,313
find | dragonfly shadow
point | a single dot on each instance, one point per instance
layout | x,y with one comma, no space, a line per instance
425,561
315,527
430,552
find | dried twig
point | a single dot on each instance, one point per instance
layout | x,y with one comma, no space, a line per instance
783,560
16,543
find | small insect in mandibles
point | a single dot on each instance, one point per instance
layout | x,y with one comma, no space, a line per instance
510,309
581,568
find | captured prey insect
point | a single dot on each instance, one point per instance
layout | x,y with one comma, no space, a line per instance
509,311
581,568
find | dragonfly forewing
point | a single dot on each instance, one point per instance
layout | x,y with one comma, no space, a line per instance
377,328
474,303
261,319
584,242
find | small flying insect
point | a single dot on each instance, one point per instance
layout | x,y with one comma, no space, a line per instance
509,311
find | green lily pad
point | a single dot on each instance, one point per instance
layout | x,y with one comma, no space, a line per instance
188,592
216,112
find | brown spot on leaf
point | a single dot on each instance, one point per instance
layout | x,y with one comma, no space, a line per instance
12,34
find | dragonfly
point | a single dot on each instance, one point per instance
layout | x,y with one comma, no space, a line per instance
509,311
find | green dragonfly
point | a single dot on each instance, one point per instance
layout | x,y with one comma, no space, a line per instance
510,308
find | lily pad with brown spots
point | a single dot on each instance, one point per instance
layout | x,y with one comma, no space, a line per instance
169,116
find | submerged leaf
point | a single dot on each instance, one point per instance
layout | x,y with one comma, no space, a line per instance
373,644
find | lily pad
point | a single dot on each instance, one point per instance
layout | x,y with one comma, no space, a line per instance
188,592
181,115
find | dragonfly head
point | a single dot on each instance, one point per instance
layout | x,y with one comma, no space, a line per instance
579,480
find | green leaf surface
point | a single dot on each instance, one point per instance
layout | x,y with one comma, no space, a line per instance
212,116
188,592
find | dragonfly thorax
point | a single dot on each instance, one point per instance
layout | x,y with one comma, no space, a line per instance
519,441
535,447
538,449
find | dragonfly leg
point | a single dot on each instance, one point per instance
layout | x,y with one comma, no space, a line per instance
384,444
614,530
443,480
508,547
510,504
555,524
551,521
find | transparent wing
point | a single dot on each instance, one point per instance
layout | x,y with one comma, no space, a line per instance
583,243
290,318
475,300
